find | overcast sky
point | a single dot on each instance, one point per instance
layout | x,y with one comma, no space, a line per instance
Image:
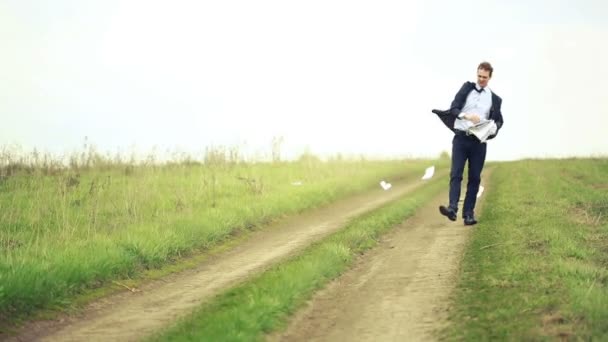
328,76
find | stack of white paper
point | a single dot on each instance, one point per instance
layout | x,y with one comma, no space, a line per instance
483,129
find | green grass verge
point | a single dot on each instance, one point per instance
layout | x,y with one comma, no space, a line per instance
263,304
536,267
67,232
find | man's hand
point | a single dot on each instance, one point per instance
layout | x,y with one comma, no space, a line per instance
474,118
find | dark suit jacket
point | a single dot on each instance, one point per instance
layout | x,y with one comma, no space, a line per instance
449,116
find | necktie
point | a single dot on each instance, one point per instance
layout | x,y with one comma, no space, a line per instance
478,90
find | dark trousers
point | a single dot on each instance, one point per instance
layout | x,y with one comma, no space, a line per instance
466,147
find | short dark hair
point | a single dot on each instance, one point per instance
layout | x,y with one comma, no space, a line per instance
486,66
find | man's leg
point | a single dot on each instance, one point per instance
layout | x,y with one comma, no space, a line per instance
477,159
459,158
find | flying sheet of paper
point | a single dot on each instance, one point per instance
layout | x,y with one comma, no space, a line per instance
429,172
480,191
385,185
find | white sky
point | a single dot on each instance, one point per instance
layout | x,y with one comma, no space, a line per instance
329,76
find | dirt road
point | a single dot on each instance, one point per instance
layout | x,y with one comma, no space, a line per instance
131,316
399,291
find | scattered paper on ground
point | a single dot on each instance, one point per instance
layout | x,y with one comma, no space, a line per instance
385,185
429,172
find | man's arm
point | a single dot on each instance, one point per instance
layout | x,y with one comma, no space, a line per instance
497,117
498,114
460,99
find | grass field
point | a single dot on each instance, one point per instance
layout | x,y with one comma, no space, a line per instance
66,231
263,304
535,268
537,265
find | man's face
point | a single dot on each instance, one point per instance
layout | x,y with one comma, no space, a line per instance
483,77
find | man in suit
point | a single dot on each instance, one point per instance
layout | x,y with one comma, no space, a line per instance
473,102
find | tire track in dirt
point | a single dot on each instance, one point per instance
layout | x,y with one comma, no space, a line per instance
131,316
399,291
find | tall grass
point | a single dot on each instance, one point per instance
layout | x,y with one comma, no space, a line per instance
66,228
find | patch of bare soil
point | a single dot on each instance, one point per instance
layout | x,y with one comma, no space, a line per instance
131,316
398,291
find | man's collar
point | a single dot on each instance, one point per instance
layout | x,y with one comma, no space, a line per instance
479,89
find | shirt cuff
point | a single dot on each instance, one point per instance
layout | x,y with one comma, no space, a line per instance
461,115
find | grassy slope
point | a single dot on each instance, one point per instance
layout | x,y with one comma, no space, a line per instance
536,267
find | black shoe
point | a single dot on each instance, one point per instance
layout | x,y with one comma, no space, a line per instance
448,212
469,220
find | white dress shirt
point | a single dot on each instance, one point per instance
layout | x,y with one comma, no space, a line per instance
477,103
